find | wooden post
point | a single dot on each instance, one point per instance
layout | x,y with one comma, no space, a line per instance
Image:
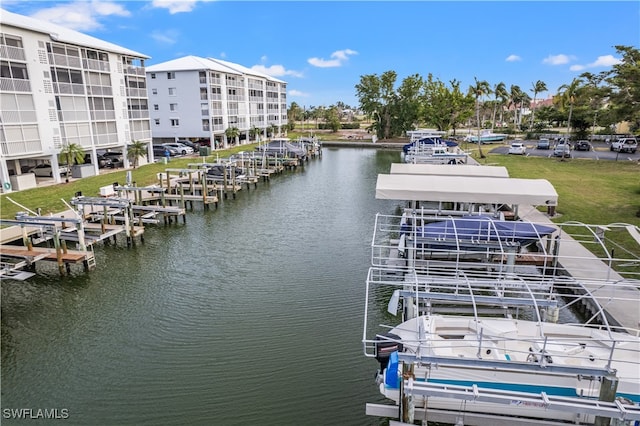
56,243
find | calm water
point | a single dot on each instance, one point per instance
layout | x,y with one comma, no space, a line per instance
250,313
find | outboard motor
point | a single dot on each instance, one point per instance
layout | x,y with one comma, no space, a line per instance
385,345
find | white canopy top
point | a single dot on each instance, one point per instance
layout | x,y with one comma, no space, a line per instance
486,190
449,170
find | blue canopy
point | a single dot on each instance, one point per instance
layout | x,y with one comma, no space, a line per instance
483,228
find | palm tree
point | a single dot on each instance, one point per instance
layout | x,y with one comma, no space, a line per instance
255,133
70,154
480,89
136,150
503,96
499,89
537,87
516,96
232,133
567,96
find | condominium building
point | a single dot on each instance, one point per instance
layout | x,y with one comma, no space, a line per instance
200,98
60,87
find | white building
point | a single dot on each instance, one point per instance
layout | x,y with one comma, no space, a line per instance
59,87
200,98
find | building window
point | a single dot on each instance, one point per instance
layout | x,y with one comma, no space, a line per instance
153,75
204,108
171,76
156,107
205,125
157,121
175,122
173,107
154,91
172,91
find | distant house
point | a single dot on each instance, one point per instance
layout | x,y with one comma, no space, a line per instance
200,98
60,87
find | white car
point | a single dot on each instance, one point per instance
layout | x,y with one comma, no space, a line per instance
45,170
180,148
517,148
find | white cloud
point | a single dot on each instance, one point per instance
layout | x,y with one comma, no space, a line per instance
339,57
80,15
297,93
557,59
165,36
276,71
175,6
605,61
600,62
513,58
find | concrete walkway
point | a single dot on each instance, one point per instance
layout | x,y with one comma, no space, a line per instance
619,297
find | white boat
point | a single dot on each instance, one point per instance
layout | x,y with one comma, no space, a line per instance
486,136
509,367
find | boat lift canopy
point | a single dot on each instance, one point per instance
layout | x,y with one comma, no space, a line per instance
477,189
449,170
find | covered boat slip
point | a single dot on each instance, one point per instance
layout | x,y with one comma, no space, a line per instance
476,189
469,170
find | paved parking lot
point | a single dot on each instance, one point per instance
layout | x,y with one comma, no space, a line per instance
600,152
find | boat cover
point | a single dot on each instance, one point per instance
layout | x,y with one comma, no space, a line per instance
465,189
429,141
449,170
483,228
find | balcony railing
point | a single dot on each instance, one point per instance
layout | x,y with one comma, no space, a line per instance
136,93
64,116
131,70
11,52
94,64
68,88
100,90
14,85
138,114
64,60
18,117
103,115
33,146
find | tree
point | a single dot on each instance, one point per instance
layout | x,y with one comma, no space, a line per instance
70,154
332,118
376,96
567,93
624,81
232,133
255,133
537,87
136,150
516,98
478,90
500,93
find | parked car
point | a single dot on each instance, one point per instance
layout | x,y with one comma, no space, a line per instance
103,162
625,145
562,149
117,159
517,148
194,145
45,170
160,151
180,148
583,146
543,143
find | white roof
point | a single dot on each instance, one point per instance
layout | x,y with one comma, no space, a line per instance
191,63
486,190
62,34
244,70
449,170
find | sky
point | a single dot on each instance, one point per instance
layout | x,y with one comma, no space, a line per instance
323,48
